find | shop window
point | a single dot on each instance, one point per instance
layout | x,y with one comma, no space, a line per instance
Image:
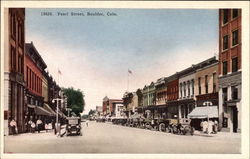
235,13
235,37
225,16
234,92
225,42
224,67
235,64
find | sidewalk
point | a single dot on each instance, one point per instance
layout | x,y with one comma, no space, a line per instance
218,134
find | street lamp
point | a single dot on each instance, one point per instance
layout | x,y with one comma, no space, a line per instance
53,101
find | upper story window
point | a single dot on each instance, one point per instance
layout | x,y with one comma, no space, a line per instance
235,37
214,82
225,42
192,87
199,85
235,64
188,85
235,13
181,90
225,16
184,89
206,83
224,67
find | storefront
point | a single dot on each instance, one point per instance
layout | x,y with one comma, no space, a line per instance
204,113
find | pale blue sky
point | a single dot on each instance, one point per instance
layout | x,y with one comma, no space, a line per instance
94,53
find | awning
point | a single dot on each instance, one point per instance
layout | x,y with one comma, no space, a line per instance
31,106
204,112
42,111
47,107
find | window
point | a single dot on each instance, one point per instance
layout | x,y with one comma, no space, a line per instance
224,94
235,13
225,16
234,92
188,88
184,89
225,68
206,83
27,75
192,87
235,64
235,37
225,42
199,83
181,89
214,82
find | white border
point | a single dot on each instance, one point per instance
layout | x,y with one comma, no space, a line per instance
244,5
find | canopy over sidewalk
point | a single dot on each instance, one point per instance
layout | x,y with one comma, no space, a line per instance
204,112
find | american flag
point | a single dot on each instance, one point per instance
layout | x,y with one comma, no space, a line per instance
129,71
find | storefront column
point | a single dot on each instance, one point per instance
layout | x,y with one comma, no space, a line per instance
220,108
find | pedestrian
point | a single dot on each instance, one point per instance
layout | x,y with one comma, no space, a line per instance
13,126
46,127
210,126
29,125
205,126
87,123
39,125
33,126
215,126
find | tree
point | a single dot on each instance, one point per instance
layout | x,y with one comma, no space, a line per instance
91,112
140,97
75,99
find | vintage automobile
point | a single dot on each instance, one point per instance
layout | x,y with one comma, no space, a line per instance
73,126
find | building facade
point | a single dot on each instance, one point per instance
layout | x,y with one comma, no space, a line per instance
14,84
161,97
187,94
206,82
172,96
34,77
112,107
230,69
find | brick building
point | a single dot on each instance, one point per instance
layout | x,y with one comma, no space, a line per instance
14,85
230,69
112,107
172,96
35,67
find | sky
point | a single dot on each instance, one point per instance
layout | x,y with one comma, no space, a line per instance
94,53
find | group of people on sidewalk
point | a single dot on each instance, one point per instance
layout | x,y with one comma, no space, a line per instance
209,126
32,126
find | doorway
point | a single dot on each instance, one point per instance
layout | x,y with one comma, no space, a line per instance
235,119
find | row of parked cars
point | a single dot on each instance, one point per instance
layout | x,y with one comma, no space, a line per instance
174,126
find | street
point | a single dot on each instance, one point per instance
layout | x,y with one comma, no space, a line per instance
109,138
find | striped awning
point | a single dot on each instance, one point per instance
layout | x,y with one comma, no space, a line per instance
204,112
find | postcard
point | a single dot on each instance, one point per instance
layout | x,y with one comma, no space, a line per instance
124,79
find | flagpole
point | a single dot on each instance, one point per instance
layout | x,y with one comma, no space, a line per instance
128,82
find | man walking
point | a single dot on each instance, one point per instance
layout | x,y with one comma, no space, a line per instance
39,125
